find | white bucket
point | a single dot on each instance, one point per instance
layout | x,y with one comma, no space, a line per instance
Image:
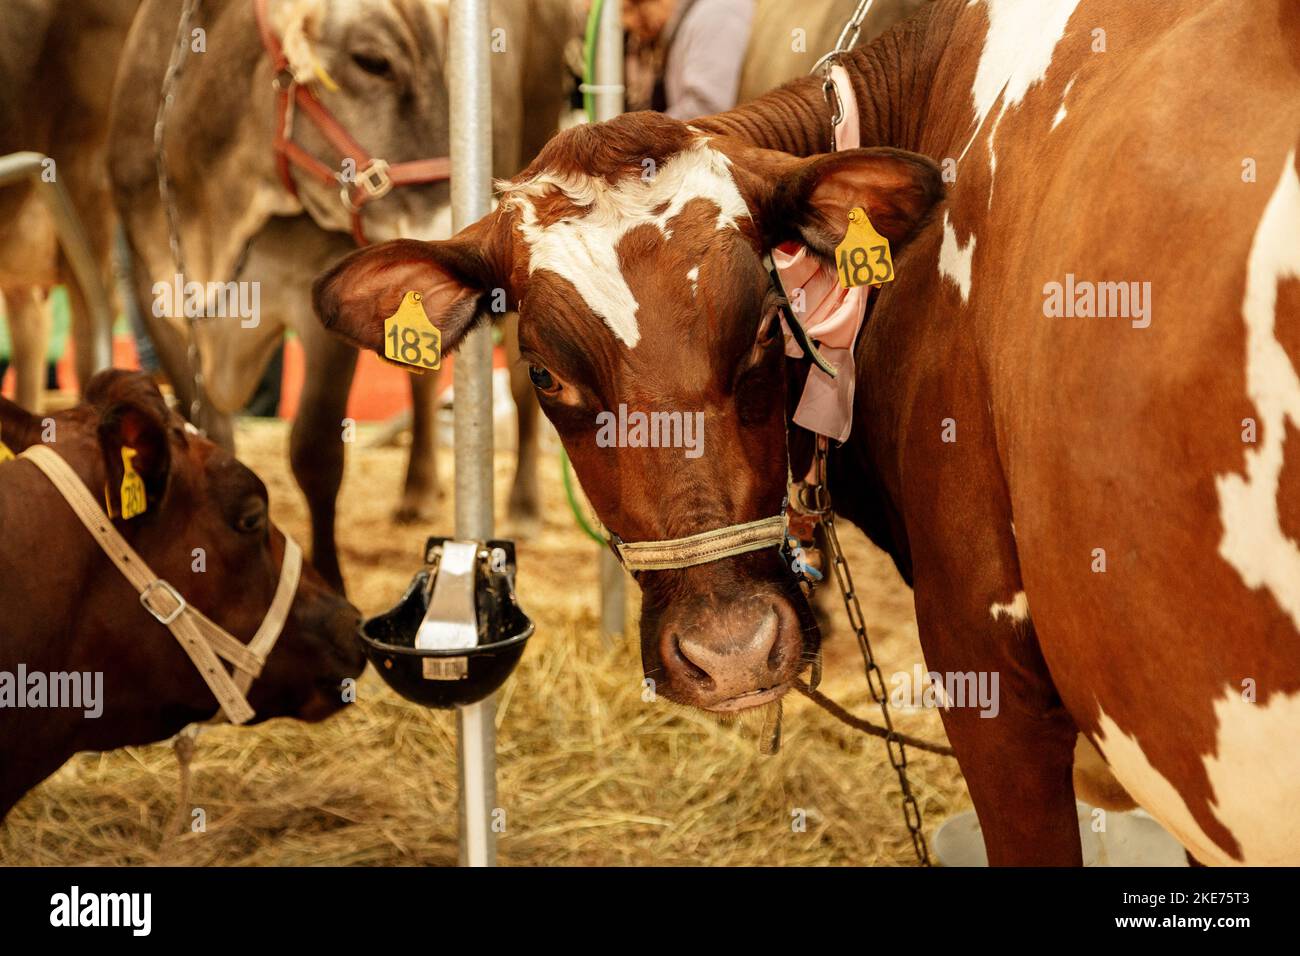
1130,838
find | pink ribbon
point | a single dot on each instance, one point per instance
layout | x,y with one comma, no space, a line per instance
831,314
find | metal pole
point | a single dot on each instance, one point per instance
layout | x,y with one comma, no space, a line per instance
609,61
609,102
29,165
470,76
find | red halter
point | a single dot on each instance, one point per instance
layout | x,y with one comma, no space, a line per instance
375,178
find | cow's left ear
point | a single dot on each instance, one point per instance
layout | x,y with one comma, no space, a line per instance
133,438
810,200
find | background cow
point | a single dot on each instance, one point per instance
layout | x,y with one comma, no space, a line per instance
68,608
57,60
1125,472
238,222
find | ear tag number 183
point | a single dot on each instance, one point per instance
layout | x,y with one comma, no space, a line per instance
410,338
863,257
134,500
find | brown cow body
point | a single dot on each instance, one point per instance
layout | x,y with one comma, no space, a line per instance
1132,482
67,609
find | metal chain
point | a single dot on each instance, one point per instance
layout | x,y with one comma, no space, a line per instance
875,679
847,41
175,66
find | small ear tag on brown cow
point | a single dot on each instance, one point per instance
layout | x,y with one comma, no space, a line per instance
134,500
410,338
6,453
863,257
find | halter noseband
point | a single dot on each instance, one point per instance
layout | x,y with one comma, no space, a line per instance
203,639
701,548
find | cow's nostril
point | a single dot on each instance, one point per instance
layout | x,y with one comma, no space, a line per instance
737,662
685,661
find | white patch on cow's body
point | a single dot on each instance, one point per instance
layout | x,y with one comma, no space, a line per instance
1018,49
584,249
1061,113
694,276
1255,782
1017,608
955,259
1253,541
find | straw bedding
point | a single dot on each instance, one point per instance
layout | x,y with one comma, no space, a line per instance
588,773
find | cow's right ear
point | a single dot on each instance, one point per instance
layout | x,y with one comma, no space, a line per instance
133,436
453,276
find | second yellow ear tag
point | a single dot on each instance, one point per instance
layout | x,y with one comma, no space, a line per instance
863,257
134,501
6,453
409,336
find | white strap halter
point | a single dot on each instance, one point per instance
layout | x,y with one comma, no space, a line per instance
702,548
205,641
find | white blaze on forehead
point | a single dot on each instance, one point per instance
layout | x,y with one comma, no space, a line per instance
1254,778
1253,541
584,248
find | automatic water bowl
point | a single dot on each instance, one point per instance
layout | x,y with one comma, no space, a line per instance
458,631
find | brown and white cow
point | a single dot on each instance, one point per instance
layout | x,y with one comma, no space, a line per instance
65,609
1103,511
386,65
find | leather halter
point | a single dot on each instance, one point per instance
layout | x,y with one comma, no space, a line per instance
375,178
701,548
203,639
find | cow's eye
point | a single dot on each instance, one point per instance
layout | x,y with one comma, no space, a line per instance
543,379
252,519
373,64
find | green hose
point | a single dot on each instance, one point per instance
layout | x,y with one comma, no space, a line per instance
579,515
589,59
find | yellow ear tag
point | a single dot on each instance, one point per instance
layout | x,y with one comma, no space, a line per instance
863,257
134,501
410,338
6,453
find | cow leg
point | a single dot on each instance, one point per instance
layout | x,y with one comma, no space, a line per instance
421,489
1018,761
524,506
83,330
29,331
316,441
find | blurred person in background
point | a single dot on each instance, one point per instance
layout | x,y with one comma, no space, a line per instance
685,56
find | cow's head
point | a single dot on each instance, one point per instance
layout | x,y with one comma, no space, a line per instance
379,66
207,531
633,252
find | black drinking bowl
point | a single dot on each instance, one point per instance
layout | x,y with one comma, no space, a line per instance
447,679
